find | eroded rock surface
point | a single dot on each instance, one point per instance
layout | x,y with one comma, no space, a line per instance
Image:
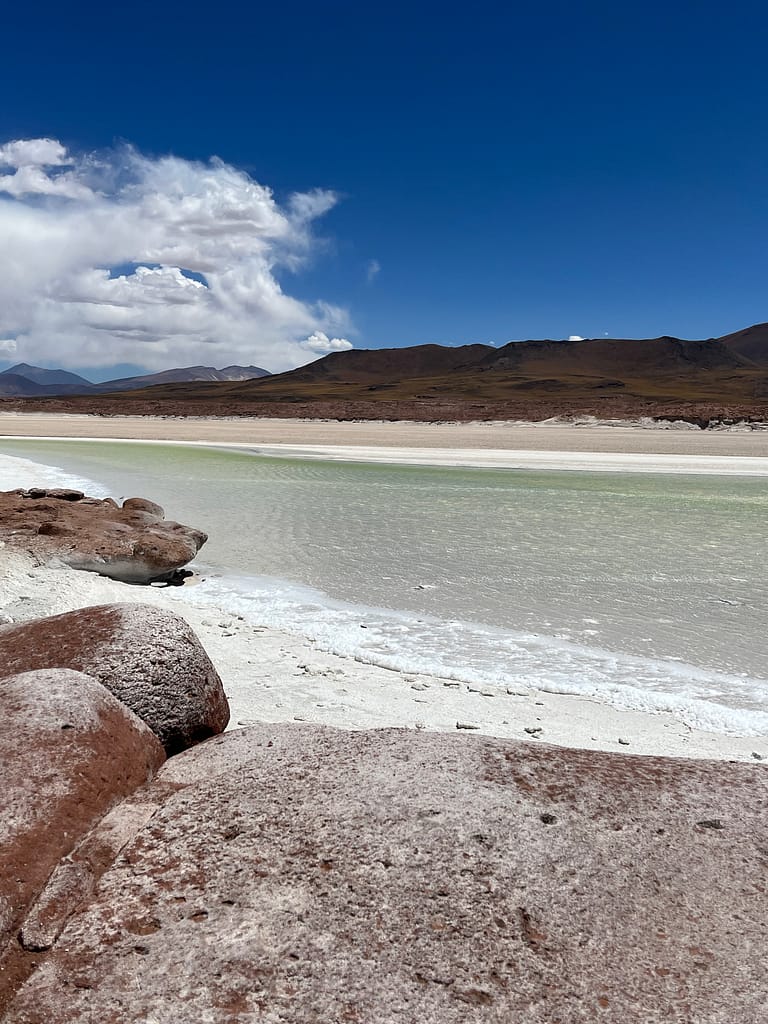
299,874
68,751
149,658
134,543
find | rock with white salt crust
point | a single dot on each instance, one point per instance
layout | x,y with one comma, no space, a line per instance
148,657
296,874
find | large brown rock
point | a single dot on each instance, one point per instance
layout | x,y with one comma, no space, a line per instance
134,543
68,750
297,874
146,656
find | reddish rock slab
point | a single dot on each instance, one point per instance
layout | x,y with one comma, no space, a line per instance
297,874
134,543
69,751
146,656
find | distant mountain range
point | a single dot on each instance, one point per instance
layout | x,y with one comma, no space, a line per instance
25,381
598,357
717,379
666,364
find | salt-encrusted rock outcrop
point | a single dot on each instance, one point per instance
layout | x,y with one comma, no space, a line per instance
68,751
299,874
134,543
149,658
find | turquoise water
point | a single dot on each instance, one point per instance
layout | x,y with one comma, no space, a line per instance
644,589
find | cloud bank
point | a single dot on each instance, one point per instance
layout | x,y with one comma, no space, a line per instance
121,258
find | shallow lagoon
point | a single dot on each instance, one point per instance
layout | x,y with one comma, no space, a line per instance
640,588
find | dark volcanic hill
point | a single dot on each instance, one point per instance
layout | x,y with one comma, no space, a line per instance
719,378
387,365
750,344
600,358
613,357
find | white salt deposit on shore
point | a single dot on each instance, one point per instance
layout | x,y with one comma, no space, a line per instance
270,676
494,458
273,676
583,436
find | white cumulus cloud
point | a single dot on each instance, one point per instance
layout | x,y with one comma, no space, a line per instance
31,161
118,257
575,337
320,342
33,153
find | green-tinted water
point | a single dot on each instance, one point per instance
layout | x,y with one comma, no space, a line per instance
660,566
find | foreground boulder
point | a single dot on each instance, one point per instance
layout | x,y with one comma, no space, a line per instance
134,543
298,874
149,658
69,750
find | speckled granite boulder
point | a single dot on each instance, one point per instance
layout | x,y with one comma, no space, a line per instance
68,751
134,543
296,874
146,656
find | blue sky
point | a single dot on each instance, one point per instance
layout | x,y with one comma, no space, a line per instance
514,171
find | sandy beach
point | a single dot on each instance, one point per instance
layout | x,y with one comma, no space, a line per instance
273,676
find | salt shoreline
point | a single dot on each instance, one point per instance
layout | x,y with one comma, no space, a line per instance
507,440
272,676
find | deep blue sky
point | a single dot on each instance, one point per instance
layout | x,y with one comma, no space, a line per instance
518,171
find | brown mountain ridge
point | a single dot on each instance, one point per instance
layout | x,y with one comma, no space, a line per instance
715,379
